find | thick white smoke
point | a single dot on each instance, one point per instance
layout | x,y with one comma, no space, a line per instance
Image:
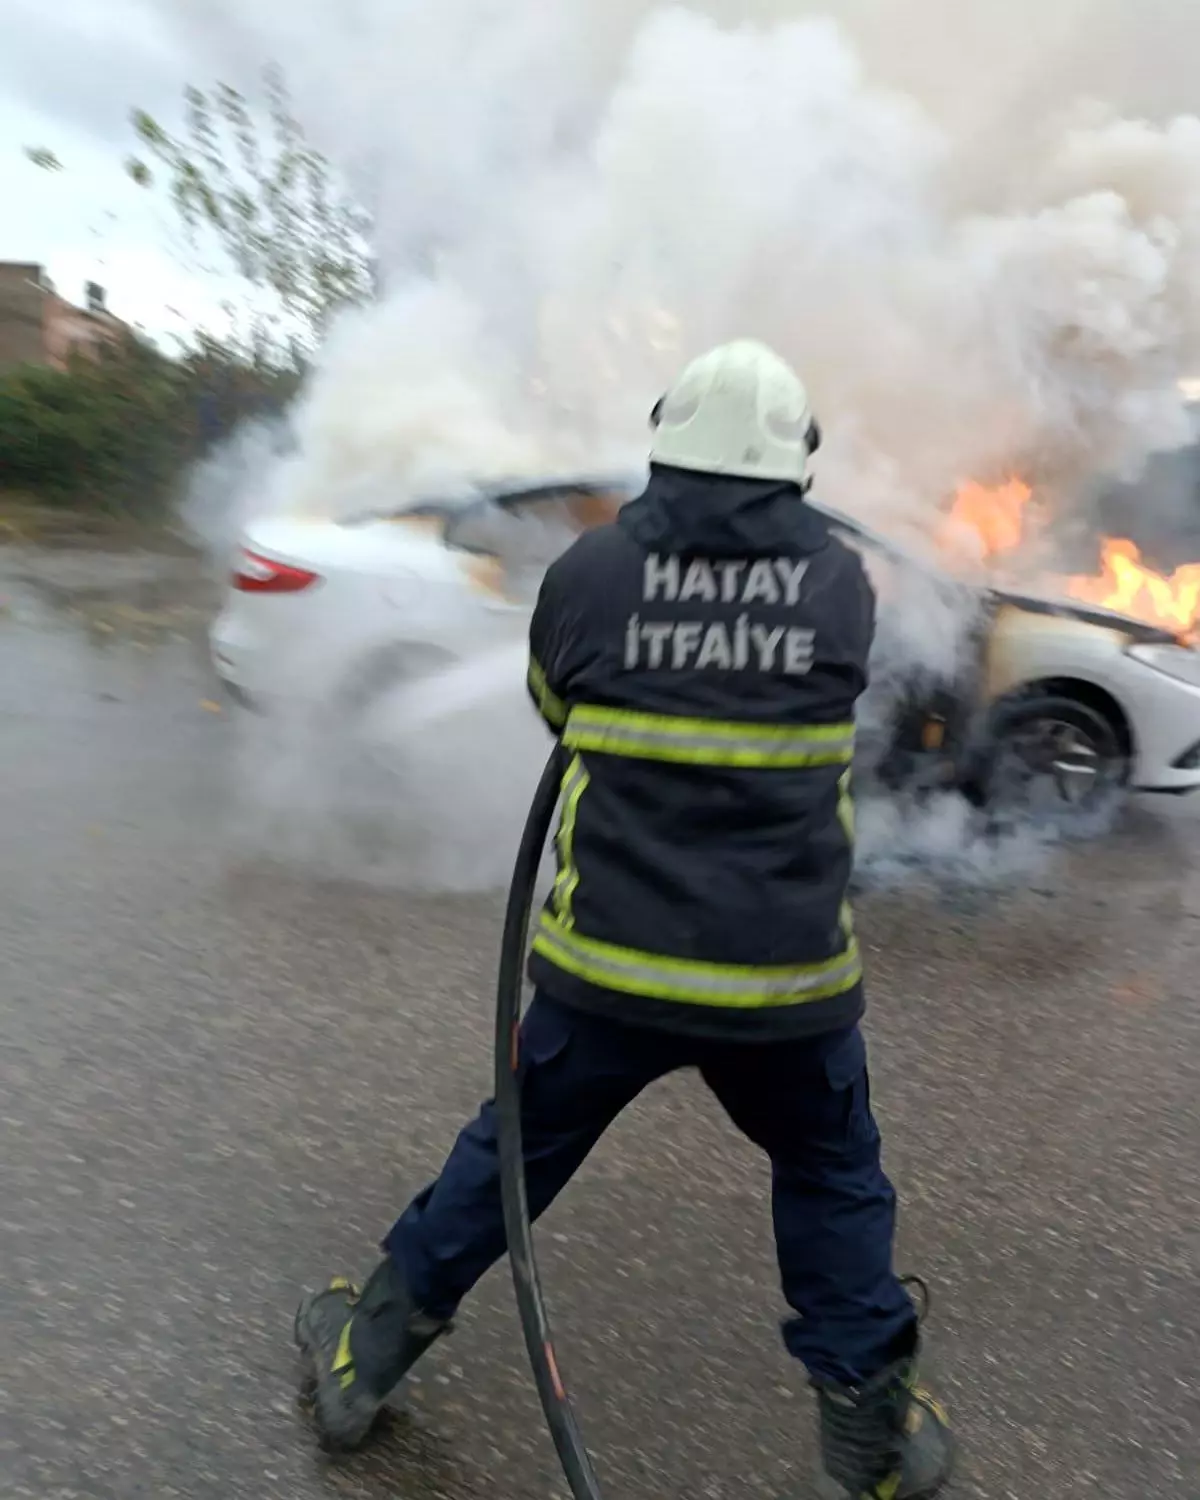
608,187
977,267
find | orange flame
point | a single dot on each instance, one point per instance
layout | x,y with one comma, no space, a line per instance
995,516
1127,585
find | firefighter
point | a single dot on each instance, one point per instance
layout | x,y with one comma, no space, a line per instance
700,659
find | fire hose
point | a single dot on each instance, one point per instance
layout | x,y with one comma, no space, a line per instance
556,1403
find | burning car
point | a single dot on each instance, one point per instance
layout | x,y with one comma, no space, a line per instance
1059,703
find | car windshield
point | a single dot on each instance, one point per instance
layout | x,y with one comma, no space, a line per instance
526,529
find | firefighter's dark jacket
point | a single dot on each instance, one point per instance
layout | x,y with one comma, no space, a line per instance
700,658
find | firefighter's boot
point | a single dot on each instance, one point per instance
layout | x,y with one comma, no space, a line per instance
885,1440
359,1346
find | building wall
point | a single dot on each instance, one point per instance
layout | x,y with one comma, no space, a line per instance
22,312
39,327
69,329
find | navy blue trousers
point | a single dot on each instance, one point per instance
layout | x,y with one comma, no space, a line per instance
805,1103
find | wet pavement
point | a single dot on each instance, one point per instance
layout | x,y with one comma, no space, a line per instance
219,1081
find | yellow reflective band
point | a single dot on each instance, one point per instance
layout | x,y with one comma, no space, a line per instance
343,1360
658,977
845,806
845,811
574,784
554,710
707,742
923,1399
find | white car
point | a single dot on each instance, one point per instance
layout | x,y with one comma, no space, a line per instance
1053,698
340,612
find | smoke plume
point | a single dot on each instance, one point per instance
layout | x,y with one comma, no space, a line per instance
972,227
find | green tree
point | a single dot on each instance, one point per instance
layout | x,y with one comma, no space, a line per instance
251,183
42,156
115,432
242,180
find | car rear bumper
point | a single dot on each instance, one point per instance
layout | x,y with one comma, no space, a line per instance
229,669
238,658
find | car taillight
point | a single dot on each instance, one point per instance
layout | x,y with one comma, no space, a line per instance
255,574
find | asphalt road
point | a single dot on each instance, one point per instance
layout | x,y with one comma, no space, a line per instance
220,1079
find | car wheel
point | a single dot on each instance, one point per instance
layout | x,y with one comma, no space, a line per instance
1051,759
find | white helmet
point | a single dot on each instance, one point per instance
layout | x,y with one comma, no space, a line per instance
739,409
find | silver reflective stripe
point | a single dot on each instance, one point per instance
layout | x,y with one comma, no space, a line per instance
707,741
660,977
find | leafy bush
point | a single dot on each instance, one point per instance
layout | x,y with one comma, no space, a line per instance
114,432
111,431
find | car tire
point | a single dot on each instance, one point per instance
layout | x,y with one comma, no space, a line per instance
1049,758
